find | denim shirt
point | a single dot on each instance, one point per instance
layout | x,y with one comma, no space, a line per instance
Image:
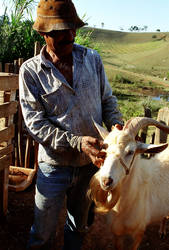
55,112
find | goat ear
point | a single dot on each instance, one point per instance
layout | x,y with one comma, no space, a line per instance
150,148
102,131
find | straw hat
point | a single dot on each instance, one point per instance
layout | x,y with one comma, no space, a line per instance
56,15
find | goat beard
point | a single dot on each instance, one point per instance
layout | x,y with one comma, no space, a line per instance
104,200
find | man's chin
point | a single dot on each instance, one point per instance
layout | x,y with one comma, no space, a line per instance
66,50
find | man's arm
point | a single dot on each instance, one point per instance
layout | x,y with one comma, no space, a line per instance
35,117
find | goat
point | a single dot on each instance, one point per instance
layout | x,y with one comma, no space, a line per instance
134,191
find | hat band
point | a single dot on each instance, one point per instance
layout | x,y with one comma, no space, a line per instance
59,17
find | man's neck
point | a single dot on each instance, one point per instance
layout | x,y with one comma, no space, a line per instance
55,59
63,64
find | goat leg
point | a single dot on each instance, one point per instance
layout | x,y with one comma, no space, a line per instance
137,240
162,230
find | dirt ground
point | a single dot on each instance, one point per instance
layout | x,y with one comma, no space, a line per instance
15,231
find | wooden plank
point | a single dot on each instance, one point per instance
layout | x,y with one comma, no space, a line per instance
37,48
5,190
12,97
16,67
9,67
5,161
6,150
2,123
8,82
21,151
1,193
20,61
163,116
36,148
8,108
2,96
143,131
7,133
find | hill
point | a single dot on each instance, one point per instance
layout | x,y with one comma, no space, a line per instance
102,35
145,53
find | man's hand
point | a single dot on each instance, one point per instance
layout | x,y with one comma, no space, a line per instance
92,148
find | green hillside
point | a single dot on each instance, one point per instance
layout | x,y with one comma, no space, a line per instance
146,53
102,35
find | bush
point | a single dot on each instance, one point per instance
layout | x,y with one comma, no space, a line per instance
83,37
17,40
122,79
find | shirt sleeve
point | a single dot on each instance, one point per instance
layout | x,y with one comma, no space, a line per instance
36,120
110,111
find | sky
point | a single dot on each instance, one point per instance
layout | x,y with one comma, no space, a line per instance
122,14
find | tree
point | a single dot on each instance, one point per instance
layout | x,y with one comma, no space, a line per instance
158,30
102,24
134,28
145,27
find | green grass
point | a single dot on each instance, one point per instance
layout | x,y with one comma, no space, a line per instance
132,106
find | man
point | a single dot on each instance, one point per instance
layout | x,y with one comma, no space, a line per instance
61,91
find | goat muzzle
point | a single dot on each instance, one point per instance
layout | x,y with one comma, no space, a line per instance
107,181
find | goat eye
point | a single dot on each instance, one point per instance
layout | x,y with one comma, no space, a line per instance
130,153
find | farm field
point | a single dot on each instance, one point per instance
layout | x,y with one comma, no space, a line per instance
146,53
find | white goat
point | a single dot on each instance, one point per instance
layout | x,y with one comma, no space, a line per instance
133,190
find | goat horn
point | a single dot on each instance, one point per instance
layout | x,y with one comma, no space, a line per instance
135,124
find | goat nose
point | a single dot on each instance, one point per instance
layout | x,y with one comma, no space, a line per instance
107,181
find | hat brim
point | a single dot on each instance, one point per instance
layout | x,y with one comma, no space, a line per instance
48,24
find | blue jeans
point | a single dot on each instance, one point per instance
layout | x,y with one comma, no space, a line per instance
54,183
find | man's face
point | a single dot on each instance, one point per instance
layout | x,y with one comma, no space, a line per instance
60,41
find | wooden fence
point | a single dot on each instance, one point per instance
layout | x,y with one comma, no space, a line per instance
18,151
8,107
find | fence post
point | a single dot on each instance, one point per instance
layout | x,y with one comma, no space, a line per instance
9,67
0,67
20,61
16,67
37,48
163,116
143,133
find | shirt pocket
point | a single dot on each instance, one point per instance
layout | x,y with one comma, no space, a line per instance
56,102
